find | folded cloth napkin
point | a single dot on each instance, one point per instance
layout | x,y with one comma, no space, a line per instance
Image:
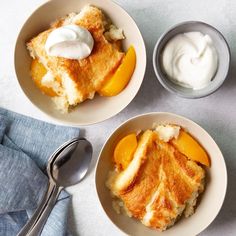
25,146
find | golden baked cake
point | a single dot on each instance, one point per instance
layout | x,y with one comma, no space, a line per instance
74,81
159,184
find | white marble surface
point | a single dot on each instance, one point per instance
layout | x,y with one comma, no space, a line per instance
216,113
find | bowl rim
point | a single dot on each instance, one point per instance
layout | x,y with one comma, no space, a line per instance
224,168
157,67
66,122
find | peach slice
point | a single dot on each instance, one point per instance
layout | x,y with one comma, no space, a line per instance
37,72
124,150
118,81
187,145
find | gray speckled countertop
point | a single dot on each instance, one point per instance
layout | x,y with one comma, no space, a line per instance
216,113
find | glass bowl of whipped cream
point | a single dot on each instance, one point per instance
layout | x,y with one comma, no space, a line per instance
191,59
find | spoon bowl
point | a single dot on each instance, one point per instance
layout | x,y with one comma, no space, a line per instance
68,168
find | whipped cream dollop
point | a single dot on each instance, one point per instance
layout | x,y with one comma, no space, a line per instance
70,41
190,60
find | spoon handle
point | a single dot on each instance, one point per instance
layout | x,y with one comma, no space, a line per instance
43,204
38,225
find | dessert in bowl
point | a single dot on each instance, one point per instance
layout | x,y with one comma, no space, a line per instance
83,59
162,180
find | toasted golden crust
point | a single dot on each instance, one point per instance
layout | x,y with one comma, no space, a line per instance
166,183
90,73
127,177
138,195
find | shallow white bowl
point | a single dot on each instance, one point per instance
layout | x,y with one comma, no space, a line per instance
211,200
91,111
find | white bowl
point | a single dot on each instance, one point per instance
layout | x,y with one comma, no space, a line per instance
100,108
211,200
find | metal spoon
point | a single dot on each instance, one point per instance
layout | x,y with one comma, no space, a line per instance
67,166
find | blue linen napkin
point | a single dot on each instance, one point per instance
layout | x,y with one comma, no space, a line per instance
25,146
